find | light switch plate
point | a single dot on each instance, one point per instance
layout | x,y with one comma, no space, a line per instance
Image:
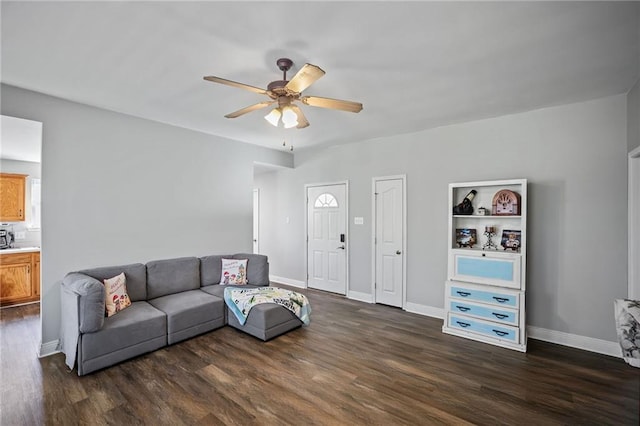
21,235
358,220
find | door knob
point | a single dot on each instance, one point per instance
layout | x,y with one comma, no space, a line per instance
398,252
341,247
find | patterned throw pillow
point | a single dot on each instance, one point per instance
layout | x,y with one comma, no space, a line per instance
116,297
234,272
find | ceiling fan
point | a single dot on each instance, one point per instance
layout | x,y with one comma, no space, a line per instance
287,93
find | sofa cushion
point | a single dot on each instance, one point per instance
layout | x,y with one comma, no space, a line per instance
257,268
136,275
189,309
136,324
211,269
172,276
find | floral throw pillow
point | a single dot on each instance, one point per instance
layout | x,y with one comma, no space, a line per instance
234,272
116,296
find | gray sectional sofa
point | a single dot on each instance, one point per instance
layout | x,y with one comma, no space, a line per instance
172,300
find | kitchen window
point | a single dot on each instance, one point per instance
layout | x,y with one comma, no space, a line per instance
35,204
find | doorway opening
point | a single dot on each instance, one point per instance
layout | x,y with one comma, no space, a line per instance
20,163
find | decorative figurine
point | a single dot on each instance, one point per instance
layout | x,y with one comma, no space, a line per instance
489,232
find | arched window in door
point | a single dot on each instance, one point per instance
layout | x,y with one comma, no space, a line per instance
325,200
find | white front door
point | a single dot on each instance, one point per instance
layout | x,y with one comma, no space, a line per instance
389,241
256,221
326,238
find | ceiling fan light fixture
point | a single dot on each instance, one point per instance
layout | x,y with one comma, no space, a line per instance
289,118
273,117
287,91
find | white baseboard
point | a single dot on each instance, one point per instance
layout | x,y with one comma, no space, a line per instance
575,341
590,344
362,297
429,311
49,348
288,281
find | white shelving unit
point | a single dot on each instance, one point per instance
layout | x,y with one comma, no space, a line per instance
485,288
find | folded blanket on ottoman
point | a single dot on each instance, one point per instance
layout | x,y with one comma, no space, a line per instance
240,301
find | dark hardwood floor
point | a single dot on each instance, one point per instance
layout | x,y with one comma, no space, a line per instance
355,364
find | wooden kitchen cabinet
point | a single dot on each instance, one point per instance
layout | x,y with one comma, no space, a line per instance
19,278
35,278
12,194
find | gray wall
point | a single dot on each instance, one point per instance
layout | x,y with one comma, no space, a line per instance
575,157
633,117
32,235
118,189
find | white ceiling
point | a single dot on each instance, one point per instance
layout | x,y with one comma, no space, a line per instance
414,65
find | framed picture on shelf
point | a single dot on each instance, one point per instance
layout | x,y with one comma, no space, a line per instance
466,237
511,239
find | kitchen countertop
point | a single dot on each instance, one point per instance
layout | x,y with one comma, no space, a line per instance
20,250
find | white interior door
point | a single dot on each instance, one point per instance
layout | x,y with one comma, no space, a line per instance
256,221
326,236
389,241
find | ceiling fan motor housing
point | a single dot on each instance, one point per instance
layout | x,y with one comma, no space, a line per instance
277,87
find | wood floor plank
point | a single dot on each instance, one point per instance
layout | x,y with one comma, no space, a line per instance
356,364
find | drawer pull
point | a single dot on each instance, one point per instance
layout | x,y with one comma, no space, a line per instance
500,332
464,324
462,308
463,293
500,299
499,316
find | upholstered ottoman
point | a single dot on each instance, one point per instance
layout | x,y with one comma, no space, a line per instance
266,321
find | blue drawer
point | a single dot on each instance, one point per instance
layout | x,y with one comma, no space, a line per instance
493,268
493,314
485,268
471,325
485,296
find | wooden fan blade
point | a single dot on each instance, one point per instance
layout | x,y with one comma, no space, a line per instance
331,103
236,84
304,78
250,108
302,120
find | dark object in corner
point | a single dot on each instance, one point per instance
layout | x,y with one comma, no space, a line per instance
465,206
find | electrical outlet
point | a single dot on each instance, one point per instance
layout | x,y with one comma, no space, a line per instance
21,235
